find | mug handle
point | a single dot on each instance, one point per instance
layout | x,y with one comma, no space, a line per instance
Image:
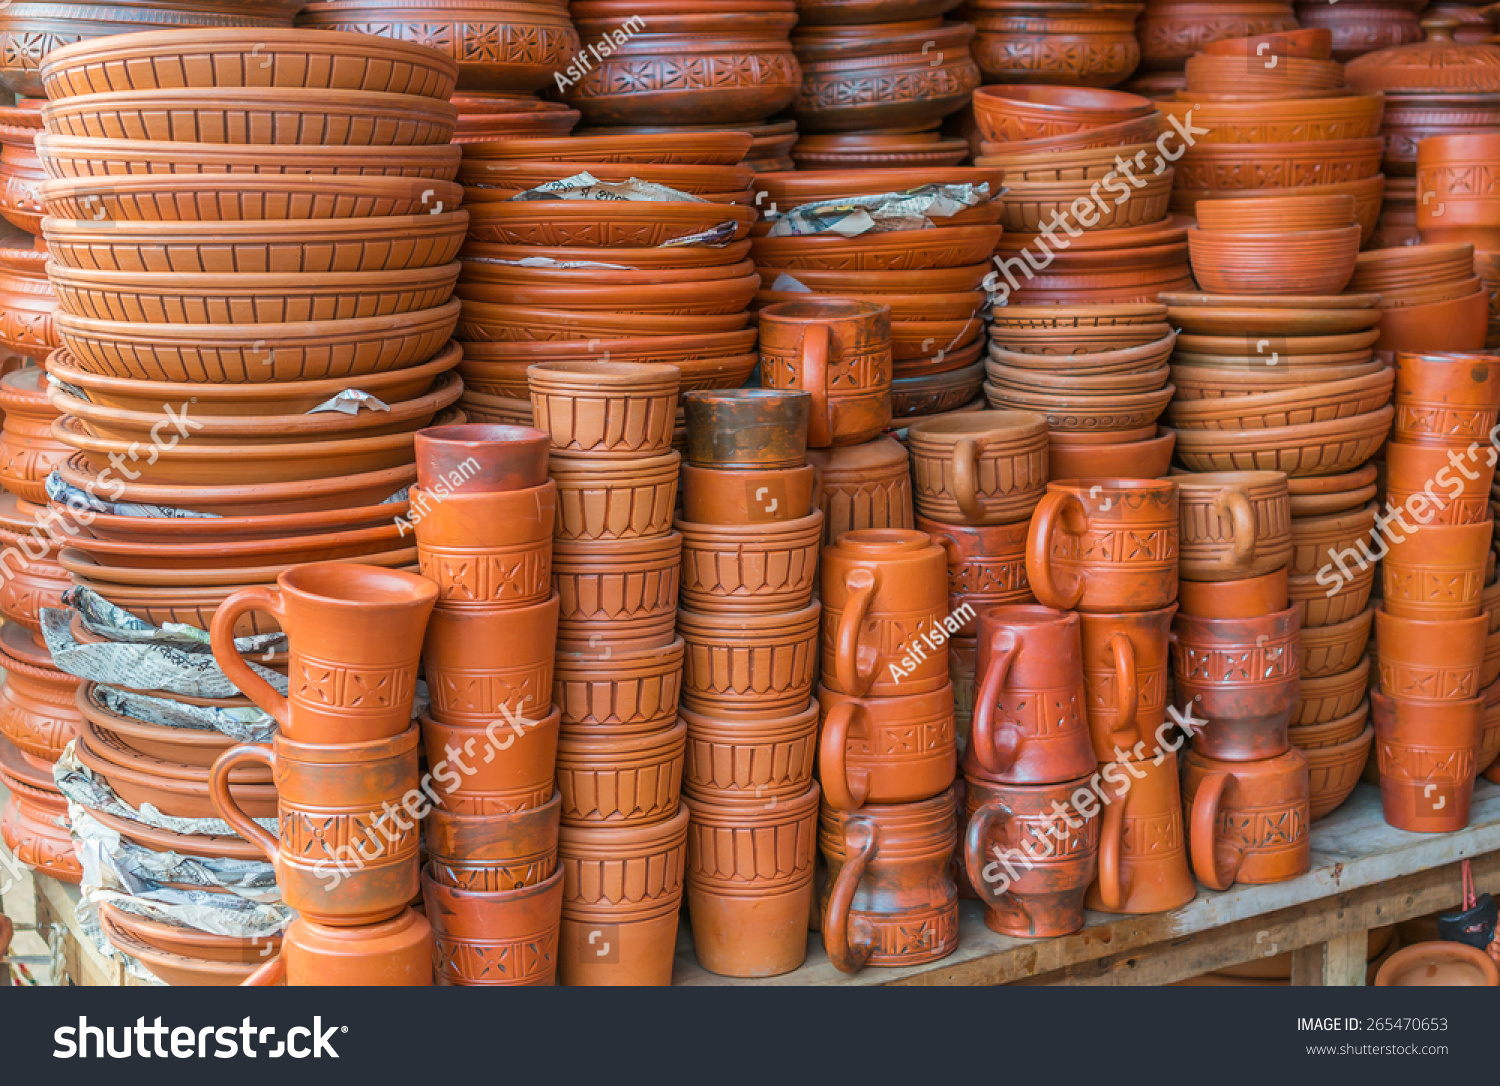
265,598
1048,519
1111,886
849,941
853,668
1201,837
975,836
1127,688
843,789
814,366
995,752
1236,506
229,811
966,480
271,973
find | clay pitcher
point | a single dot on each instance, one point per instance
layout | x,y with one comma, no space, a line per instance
886,750
1125,679
355,634
393,953
1242,676
1105,545
838,350
1143,860
1247,821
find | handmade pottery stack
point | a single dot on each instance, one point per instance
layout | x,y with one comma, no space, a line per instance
616,566
1363,26
1430,297
1172,31
751,539
492,886
1460,202
1076,43
1431,629
609,269
27,302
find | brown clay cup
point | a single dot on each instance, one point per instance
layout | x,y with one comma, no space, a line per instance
615,691
1143,859
1250,598
494,937
481,665
1242,676
493,852
1440,484
982,467
1247,821
1437,572
886,750
748,429
730,496
605,409
749,665
621,780
1430,660
1427,754
487,550
1125,678
355,636
839,351
750,568
986,567
480,458
505,766
1234,524
750,760
1447,399
617,592
1106,545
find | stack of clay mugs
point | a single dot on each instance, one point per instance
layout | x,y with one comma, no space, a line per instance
750,544
616,564
1430,630
483,511
345,766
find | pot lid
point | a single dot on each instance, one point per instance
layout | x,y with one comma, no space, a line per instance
1438,65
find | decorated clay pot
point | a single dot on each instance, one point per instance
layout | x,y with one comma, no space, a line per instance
393,953
28,451
1422,481
886,750
1234,525
38,708
481,665
749,664
493,852
503,937
1242,676
503,766
1445,398
839,351
728,496
487,550
618,691
747,428
34,824
1430,660
617,780
1080,44
750,760
988,467
1143,860
1173,30
863,486
750,568
618,592
1436,572
986,566
479,458
1125,679
1247,821
606,408
1426,753
616,497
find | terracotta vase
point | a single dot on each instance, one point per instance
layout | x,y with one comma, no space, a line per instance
729,496
986,566
617,592
1241,675
1426,752
393,953
750,760
355,635
482,665
1423,481
747,428
988,467
622,892
885,596
755,665
1427,660
1029,723
863,486
1125,680
1436,572
886,750
606,409
1107,545
501,937
616,780
481,458
503,766
1234,525
1247,821
1143,860
344,854
1445,398
889,899
750,882
487,550
493,852
839,351
1030,852
750,568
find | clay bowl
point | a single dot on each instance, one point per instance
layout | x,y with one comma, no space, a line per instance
1146,127
917,308
1279,215
208,846
1084,341
558,120
1368,193
189,605
214,353
1305,403
188,942
1459,324
784,190
1138,359
1317,496
604,224
224,579
1438,964
1219,169
1147,458
503,178
189,746
1025,111
1304,262
1413,266
1030,206
860,12
1319,448
1054,167
171,966
1104,384
391,243
846,152
1289,350
901,250
675,350
508,379
927,395
501,410
717,148
176,789
73,156
1267,77
510,323
1068,411
1331,698
267,57
962,279
704,297
1334,771
1278,121
256,116
1333,650
1405,297
1331,733
1315,43
1036,317
1227,315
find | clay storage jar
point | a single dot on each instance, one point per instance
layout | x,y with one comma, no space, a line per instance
1247,821
838,351
988,467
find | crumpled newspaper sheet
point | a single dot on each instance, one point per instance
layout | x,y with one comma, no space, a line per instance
548,262
877,213
247,724
585,186
81,500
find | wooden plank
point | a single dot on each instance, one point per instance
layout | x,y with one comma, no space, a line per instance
84,966
1337,962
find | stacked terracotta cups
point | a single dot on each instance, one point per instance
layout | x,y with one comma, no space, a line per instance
483,512
751,539
1431,629
616,567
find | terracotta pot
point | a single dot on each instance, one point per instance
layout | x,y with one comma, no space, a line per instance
750,568
483,665
1088,44
493,852
1438,572
1242,676
1426,753
1430,661
1461,207
889,900
1322,606
1030,872
748,428
754,666
1458,325
28,451
1030,674
1364,26
1171,30
35,820
840,352
1445,398
486,550
750,760
1423,480
1347,541
622,891
750,883
613,780
727,496
1333,771
616,691
483,457
1331,650
863,486
504,766
1148,459
356,637
1234,525
867,752
884,596
1247,821
1077,554
334,801
1143,860
502,937
38,708
986,566
1125,678
606,409
1249,598
392,953
988,467
623,592
1438,964
615,498
1489,736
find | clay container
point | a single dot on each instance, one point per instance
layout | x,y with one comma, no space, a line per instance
346,846
606,409
617,592
355,635
1445,398
839,351
1234,524
481,665
502,766
1429,660
1125,679
1029,722
602,498
393,953
886,750
963,655
750,760
750,568
615,780
1030,865
1247,821
747,428
885,596
1450,493
487,550
988,467
1426,753
502,937
750,882
1107,545
1143,860
986,566
493,852
1241,674
1439,964
1436,572
889,899
731,496
482,456
753,665
863,486
617,692
1250,598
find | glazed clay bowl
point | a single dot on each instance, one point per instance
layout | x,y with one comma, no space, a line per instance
1006,112
607,224
224,197
1276,215
1304,262
717,148
1319,448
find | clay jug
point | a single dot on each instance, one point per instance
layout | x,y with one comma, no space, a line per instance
486,664
756,665
493,852
839,350
1242,676
487,550
392,953
605,409
1029,722
987,467
886,750
346,846
747,428
1143,860
355,635
863,486
986,566
1426,753
1247,821
746,496
1125,679
750,568
1233,524
480,458
501,937
1106,545
750,760
503,766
